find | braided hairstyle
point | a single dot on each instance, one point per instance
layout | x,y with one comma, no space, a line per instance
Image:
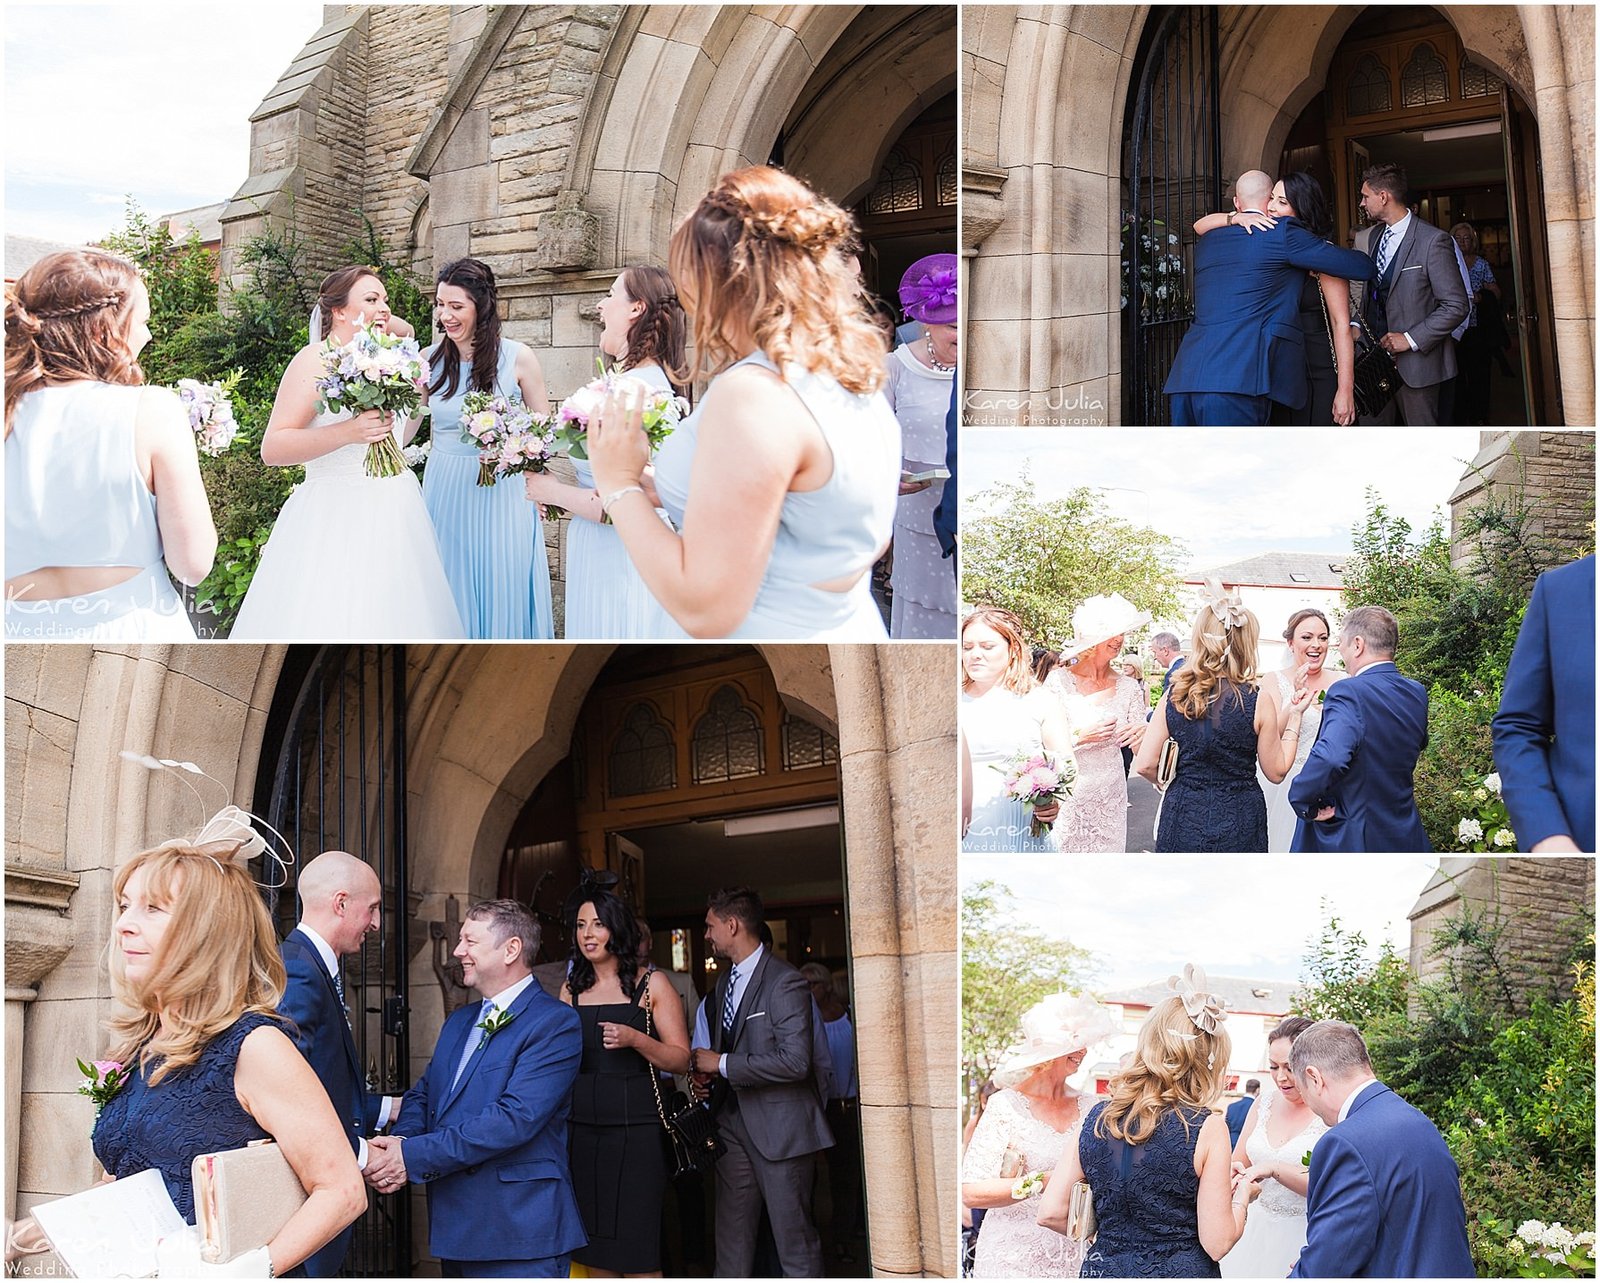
477,278
67,318
765,250
657,333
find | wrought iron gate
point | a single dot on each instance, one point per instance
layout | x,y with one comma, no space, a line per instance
332,777
1172,154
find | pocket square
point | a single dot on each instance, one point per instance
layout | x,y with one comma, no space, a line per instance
1415,267
754,1015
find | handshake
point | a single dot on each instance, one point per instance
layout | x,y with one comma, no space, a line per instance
386,1164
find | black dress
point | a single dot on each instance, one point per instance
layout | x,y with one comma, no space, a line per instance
617,1146
1214,803
1322,378
1145,1201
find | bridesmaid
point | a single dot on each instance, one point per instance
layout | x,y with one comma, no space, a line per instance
491,539
643,328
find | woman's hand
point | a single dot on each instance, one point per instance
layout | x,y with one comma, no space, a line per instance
1132,735
618,447
914,487
1100,733
1044,814
369,426
1298,682
1253,222
613,1035
1344,407
541,487
1301,700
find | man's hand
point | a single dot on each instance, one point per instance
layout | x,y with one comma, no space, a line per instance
702,1060
1396,343
1326,813
1558,843
386,1164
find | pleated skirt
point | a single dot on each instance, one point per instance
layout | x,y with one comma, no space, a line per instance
606,598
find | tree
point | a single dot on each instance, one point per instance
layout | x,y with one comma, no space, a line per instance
1006,967
1345,981
1039,558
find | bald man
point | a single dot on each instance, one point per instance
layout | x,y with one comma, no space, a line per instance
340,898
1245,348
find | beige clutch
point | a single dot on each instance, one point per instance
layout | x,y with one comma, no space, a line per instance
242,1198
1081,1224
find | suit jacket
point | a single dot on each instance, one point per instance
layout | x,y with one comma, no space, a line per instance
324,1038
1385,1197
1236,1114
1421,294
1246,336
769,1069
1544,731
492,1150
1374,727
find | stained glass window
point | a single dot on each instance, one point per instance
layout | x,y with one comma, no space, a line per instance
945,181
899,188
727,740
1478,82
1368,91
805,745
642,759
1423,79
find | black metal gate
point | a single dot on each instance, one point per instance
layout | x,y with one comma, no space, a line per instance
1172,156
332,777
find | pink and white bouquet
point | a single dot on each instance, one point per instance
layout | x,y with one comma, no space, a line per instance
102,1079
663,411
1039,779
210,407
510,437
375,370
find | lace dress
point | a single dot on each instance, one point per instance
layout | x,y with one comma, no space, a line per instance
1275,1230
1281,819
1095,817
1214,802
192,1111
1144,1201
997,726
1012,1243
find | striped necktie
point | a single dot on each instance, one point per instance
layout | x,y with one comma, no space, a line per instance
728,1004
1383,251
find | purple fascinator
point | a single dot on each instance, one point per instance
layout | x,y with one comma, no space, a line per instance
928,289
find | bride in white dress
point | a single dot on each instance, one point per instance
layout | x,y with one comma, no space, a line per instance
1308,637
1279,1132
351,557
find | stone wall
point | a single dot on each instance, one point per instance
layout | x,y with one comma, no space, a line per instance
1554,472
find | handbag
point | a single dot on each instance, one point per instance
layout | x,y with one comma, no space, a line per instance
242,1198
690,1127
1167,764
1081,1223
1377,380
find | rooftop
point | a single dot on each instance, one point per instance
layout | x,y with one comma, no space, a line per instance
1242,993
1278,570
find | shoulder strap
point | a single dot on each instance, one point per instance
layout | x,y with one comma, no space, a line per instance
641,987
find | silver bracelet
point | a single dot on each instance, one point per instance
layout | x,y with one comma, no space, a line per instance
605,504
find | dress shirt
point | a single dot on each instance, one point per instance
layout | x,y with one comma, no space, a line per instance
1472,299
1397,233
1344,1109
702,1030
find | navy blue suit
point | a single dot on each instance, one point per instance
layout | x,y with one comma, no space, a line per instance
1236,1114
324,1038
1385,1197
492,1150
1374,727
1544,731
1245,348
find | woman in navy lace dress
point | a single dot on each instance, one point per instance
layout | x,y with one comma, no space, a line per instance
196,963
1155,1154
1223,724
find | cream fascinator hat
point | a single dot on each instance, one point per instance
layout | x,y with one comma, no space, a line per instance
1101,618
1052,1028
1204,1008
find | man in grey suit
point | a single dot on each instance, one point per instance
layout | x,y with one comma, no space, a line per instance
755,1055
1416,299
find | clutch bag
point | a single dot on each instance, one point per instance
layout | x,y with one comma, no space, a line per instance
1081,1224
242,1198
1167,764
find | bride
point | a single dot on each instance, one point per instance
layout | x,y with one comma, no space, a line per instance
1279,1132
351,557
1307,635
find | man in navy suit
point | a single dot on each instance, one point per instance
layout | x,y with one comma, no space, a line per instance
1385,1195
485,1127
339,898
1240,1110
1355,792
1245,348
1544,731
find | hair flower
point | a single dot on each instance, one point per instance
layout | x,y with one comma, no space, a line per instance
1226,607
1204,1008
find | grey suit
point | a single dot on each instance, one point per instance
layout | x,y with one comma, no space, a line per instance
1423,297
771,1121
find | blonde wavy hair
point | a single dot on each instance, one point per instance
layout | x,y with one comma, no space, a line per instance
1018,676
764,248
67,319
1221,661
1176,1063
218,959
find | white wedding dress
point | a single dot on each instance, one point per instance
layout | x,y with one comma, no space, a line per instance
1281,818
350,558
1275,1229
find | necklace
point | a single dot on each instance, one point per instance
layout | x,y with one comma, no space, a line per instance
933,360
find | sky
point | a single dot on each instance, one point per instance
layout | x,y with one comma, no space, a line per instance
1231,494
152,100
1144,916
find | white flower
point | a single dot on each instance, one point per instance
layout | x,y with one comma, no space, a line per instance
1480,795
1531,1231
1559,1238
1585,1239
1172,238
1491,781
1472,831
1504,837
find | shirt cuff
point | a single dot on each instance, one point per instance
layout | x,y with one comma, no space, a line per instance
1410,340
722,1064
361,1153
383,1112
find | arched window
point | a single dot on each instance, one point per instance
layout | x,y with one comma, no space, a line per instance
727,740
642,758
945,182
805,745
899,188
1478,82
1423,80
1368,91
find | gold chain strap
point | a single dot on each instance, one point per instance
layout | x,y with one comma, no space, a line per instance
655,1076
1327,325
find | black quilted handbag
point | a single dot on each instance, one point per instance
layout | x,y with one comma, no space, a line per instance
1377,381
690,1127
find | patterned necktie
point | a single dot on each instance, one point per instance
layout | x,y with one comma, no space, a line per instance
338,988
728,1004
1383,251
473,1043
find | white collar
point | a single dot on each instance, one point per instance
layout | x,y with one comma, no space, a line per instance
506,997
747,968
1399,227
1344,1109
324,950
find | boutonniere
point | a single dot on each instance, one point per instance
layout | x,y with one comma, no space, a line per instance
1321,695
102,1079
493,1024
1305,1159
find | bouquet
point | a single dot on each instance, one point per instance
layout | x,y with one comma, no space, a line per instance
509,436
663,411
1038,779
210,407
375,370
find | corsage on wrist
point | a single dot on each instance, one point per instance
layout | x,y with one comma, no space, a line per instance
1027,1186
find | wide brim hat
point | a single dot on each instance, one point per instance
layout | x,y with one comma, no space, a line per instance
928,289
1053,1027
1101,618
